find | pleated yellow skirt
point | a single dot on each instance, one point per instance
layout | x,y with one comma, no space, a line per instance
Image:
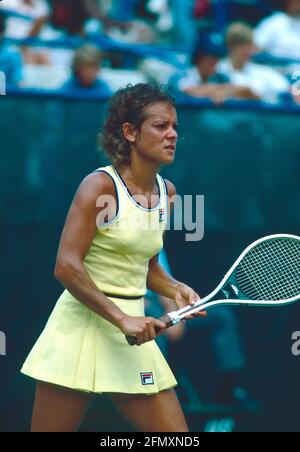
80,350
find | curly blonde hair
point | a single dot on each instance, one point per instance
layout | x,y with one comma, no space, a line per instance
128,105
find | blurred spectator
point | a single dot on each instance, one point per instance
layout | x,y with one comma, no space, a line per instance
161,14
280,34
185,28
119,21
86,69
87,16
203,80
257,81
10,59
36,12
201,8
68,16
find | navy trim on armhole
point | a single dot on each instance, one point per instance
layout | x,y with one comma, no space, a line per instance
167,201
116,190
166,187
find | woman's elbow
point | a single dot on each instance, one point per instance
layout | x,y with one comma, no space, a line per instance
64,270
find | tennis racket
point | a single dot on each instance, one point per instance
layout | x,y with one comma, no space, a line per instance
266,274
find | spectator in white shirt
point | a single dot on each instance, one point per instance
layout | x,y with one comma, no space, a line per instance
262,82
279,34
35,14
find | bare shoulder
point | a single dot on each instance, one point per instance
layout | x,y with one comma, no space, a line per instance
171,188
95,185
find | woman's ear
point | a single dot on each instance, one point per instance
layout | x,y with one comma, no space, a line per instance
129,132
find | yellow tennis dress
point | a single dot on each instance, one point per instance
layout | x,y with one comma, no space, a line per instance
79,349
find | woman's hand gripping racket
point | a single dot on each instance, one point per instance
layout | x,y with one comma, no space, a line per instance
266,274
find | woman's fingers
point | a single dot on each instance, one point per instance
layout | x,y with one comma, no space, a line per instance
152,328
152,332
196,315
147,332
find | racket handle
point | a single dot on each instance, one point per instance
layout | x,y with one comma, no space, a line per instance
132,340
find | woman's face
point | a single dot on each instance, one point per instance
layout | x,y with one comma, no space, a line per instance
157,138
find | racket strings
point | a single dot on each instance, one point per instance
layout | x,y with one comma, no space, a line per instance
271,271
279,271
278,268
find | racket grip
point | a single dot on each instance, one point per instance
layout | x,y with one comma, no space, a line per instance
132,340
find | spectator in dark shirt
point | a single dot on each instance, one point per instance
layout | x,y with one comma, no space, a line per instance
85,72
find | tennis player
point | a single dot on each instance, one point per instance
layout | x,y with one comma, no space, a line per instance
106,269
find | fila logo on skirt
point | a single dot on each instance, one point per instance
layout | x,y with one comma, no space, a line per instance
147,378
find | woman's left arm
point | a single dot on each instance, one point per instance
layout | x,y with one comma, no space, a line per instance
161,282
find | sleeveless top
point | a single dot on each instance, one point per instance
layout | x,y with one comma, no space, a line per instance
119,255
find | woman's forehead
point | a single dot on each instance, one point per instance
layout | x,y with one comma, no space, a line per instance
161,110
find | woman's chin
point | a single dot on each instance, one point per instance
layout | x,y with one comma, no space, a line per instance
169,158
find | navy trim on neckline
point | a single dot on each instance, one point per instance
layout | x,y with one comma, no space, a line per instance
151,209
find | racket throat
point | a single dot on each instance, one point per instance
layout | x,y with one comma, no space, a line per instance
231,291
175,317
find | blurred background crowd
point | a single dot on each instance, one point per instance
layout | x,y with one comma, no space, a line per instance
218,50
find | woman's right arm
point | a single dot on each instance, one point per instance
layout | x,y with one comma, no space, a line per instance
76,240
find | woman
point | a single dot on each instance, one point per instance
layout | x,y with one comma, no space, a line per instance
106,261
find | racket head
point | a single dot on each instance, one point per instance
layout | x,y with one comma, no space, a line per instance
268,271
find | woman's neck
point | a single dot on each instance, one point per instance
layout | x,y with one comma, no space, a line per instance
142,175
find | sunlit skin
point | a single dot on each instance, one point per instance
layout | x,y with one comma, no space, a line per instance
156,140
152,146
